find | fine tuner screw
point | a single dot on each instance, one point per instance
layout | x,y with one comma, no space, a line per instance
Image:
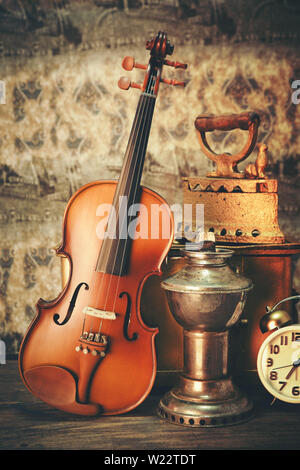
86,351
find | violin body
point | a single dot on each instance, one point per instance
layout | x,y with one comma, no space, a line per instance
89,351
56,364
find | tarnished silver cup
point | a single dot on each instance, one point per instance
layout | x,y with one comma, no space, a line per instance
206,297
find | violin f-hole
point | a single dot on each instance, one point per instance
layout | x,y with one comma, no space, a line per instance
127,318
71,306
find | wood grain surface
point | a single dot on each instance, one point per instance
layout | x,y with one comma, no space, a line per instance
29,424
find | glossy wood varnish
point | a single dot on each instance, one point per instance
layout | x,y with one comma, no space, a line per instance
50,366
89,351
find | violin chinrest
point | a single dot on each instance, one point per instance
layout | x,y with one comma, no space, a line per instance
57,387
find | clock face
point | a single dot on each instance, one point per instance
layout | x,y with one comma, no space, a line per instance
278,364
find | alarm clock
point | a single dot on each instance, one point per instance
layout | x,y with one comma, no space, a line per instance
278,359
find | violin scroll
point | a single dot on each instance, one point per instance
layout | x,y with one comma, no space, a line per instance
160,46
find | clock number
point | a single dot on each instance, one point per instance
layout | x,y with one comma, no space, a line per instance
283,340
283,384
274,348
296,391
273,375
269,362
295,336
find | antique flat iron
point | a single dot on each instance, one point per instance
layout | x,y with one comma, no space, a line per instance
231,198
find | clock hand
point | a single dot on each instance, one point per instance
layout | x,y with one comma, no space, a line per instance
291,371
282,367
295,365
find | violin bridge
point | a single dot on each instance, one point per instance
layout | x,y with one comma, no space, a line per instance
95,312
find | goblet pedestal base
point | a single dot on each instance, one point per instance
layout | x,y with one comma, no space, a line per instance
198,403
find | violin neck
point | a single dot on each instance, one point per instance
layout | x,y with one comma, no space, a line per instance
131,172
115,249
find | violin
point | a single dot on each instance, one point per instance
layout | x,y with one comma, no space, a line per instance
88,351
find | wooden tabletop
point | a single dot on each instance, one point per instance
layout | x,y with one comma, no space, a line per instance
27,423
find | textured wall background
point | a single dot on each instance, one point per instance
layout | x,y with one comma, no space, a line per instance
65,122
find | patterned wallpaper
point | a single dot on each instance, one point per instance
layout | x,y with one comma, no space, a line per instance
65,122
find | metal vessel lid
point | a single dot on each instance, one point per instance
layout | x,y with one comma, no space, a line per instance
207,272
214,256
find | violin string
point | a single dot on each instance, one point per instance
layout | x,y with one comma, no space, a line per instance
145,103
96,273
141,145
141,142
139,161
141,151
132,144
83,324
124,170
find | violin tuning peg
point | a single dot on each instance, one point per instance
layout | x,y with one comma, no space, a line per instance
176,65
128,63
172,82
124,83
